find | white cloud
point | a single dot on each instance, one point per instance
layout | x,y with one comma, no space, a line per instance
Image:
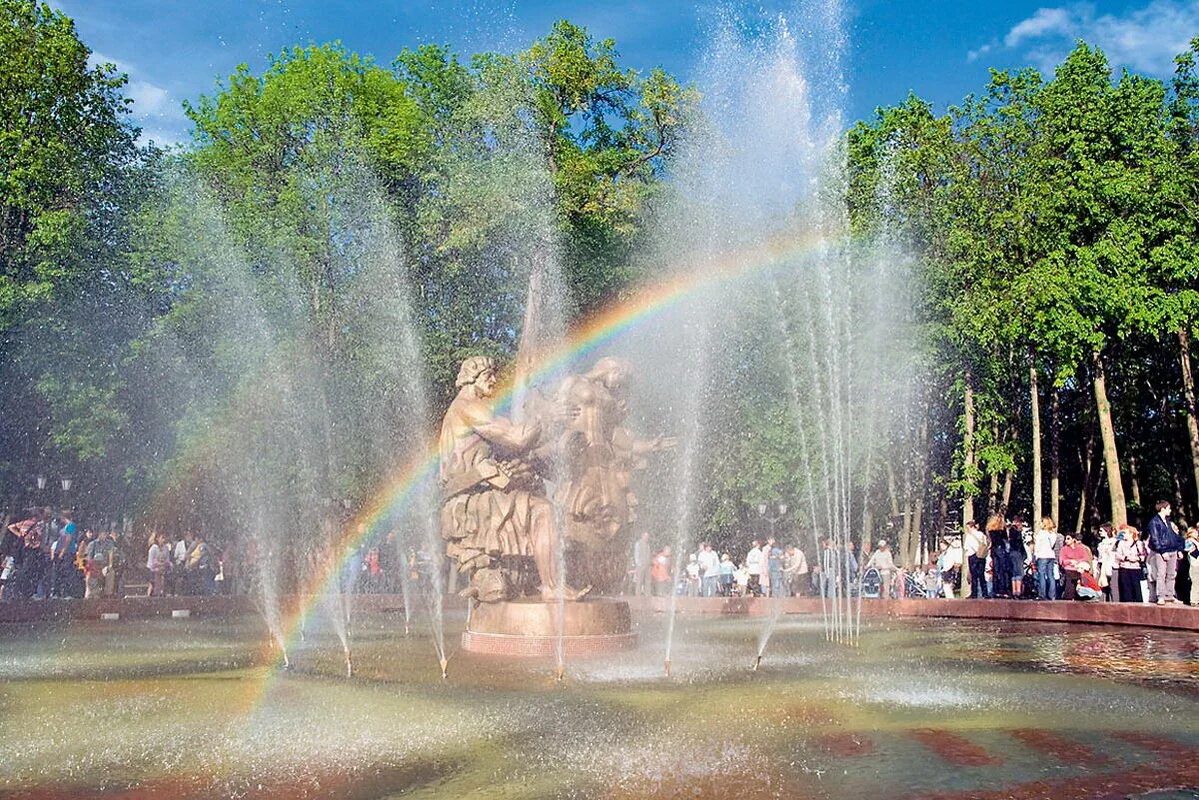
149,99
155,111
1045,22
975,55
1145,39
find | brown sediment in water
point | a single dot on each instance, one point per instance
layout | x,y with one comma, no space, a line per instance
313,784
955,749
1061,747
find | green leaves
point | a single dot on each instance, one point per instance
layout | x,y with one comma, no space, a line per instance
62,140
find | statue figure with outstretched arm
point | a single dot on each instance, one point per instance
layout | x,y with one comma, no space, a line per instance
495,507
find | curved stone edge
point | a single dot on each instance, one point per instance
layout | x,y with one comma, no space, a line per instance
1173,617
508,645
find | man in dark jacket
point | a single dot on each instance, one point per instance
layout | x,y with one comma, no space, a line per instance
1165,548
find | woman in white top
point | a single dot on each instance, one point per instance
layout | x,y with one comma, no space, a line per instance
1105,562
158,561
1043,550
1130,555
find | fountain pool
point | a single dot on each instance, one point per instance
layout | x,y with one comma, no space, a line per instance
194,708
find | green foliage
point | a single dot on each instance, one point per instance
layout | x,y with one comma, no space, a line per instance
62,138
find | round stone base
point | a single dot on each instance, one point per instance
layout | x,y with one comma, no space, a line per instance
530,628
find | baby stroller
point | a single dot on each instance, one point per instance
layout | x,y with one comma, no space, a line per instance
1028,589
872,584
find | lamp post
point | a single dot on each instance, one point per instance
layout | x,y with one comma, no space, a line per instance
782,512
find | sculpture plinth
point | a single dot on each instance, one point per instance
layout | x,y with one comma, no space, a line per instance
531,628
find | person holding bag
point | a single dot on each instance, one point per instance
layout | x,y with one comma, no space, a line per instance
1130,560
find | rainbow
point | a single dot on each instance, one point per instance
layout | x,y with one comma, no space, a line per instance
593,333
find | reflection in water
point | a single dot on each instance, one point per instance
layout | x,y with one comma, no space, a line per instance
919,709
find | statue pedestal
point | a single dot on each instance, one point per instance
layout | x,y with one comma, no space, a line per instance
530,628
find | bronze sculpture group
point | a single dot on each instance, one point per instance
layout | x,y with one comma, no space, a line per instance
501,525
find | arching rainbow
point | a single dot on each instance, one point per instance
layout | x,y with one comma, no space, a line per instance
594,332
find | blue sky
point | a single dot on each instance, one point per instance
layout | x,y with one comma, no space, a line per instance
941,49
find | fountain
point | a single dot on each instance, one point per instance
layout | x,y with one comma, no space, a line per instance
751,285
506,534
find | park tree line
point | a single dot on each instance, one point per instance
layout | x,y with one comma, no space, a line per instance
126,266
1051,222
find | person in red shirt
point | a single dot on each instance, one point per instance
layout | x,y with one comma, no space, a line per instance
1074,559
660,572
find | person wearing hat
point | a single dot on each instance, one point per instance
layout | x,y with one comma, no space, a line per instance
882,560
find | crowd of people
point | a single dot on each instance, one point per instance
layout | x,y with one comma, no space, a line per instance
48,554
1005,558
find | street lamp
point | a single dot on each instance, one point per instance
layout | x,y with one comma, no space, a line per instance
782,512
41,483
66,484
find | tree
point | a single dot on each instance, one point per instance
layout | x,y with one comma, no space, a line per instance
68,160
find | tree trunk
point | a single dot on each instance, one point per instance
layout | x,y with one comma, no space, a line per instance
913,554
1111,458
1179,506
1055,458
1188,390
942,518
968,452
1008,477
993,488
968,475
1087,481
916,536
892,491
1034,395
1134,482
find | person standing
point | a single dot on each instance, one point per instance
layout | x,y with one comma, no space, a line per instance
774,567
795,567
62,558
1001,565
100,553
660,572
753,563
158,561
1017,555
642,558
976,546
728,571
1190,548
183,551
1105,563
709,567
1165,547
693,575
882,561
1130,562
1044,544
28,565
200,567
